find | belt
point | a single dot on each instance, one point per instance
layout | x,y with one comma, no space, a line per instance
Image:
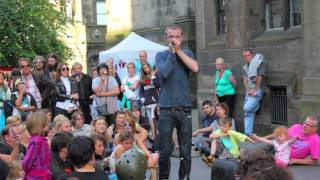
177,109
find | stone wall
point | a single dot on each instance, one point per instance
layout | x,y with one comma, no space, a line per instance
292,55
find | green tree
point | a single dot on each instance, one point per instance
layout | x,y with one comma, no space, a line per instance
29,28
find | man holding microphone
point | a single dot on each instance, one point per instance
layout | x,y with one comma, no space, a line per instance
175,102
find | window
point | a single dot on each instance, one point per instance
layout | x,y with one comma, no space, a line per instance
282,14
274,14
279,107
221,16
101,12
295,13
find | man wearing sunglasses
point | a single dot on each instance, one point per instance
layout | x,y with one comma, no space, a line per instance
306,149
30,83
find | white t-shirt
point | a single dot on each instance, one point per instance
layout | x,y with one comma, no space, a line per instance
282,151
128,81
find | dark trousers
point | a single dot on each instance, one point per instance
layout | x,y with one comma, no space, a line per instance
167,121
63,112
85,108
230,101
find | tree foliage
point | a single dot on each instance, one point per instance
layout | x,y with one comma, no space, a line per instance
29,28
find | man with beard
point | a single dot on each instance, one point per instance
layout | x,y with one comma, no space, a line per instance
43,80
51,67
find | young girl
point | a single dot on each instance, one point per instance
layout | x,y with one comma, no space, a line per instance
37,160
149,93
281,145
130,87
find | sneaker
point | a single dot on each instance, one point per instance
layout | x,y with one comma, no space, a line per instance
208,159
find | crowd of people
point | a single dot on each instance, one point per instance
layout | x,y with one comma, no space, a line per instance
57,122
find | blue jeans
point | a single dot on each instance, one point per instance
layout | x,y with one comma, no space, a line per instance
167,121
251,105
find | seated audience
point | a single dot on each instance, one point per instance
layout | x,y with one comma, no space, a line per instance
10,146
221,111
15,170
99,153
78,126
81,154
99,128
62,123
281,145
306,149
59,164
257,164
201,136
225,144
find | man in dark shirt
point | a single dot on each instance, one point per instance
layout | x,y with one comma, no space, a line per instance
83,82
175,102
81,154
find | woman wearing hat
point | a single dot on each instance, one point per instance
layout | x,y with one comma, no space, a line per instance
106,89
24,103
66,92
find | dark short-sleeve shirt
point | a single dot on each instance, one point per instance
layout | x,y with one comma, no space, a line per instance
86,176
6,149
174,74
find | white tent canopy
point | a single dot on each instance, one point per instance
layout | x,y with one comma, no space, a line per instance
128,51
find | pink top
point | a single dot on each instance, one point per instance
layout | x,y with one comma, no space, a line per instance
305,145
282,151
37,159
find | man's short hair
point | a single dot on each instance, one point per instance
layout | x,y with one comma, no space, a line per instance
80,150
173,27
250,50
60,141
23,59
207,102
315,119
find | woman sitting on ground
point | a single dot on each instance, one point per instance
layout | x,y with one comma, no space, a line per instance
78,126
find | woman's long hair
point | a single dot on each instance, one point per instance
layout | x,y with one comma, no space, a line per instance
59,69
145,76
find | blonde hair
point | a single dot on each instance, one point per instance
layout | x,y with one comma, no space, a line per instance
281,130
15,170
221,60
13,120
59,120
93,130
36,122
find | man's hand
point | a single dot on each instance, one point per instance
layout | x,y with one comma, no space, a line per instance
195,133
75,96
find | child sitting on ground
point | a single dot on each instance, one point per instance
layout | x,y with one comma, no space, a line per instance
225,144
281,145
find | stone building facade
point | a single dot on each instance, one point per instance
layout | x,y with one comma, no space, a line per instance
286,32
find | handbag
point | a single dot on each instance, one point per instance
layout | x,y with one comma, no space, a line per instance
102,109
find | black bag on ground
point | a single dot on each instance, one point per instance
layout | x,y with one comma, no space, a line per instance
225,169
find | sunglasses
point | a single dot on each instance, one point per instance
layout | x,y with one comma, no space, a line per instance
25,66
65,69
